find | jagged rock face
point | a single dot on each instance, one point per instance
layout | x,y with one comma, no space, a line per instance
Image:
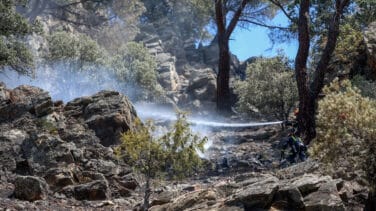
108,113
47,146
166,63
370,41
23,99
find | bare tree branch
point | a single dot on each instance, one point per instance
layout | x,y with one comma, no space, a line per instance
280,6
263,24
235,18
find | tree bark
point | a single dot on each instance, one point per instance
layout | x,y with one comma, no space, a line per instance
223,77
308,94
224,33
305,120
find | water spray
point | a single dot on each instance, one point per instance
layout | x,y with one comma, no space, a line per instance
145,111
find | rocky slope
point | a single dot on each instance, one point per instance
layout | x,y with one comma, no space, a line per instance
57,156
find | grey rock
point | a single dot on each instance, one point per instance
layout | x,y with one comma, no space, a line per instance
203,85
309,183
58,178
256,195
24,99
30,188
96,190
326,198
108,113
291,196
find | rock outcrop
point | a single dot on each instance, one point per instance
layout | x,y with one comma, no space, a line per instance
255,191
54,150
61,157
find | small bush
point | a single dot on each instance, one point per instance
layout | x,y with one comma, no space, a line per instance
269,86
173,154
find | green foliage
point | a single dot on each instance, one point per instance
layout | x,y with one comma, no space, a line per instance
173,154
367,87
67,46
16,55
141,150
188,18
365,12
346,129
348,44
13,53
181,148
124,29
135,66
270,86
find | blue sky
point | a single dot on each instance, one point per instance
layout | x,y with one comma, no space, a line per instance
255,42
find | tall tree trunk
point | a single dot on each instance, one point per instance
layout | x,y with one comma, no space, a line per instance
223,35
305,119
147,194
223,77
308,95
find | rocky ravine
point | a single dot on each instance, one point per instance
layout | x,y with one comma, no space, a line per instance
60,157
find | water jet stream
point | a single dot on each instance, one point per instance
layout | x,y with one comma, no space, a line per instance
158,114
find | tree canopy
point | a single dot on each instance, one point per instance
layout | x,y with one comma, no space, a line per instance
13,53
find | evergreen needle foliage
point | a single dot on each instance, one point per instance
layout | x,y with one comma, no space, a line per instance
173,154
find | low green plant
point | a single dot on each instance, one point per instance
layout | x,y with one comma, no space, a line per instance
173,154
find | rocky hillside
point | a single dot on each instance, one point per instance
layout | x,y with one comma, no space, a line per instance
60,156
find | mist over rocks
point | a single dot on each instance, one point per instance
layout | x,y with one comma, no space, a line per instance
61,156
60,148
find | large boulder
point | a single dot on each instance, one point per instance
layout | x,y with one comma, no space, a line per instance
95,190
256,195
108,113
326,198
30,188
203,85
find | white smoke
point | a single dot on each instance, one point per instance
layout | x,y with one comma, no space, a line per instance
64,82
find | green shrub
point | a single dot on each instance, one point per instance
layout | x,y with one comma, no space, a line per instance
346,129
13,52
67,46
269,86
173,154
136,67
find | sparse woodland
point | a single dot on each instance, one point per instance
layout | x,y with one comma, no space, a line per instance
177,53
